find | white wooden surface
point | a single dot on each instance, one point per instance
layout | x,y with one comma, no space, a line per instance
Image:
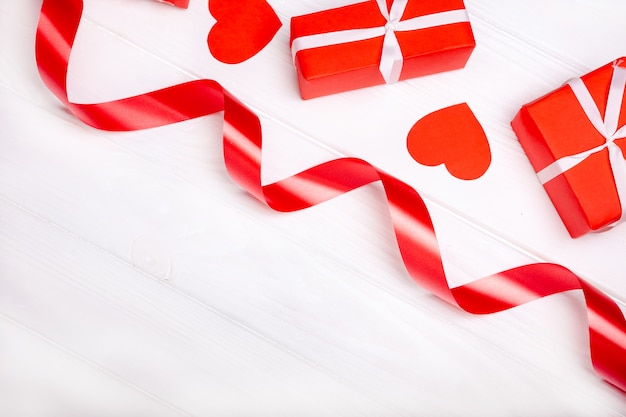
137,280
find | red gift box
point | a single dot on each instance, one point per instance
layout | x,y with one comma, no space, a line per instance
378,41
574,139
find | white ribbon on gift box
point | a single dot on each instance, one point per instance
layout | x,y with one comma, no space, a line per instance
391,59
607,128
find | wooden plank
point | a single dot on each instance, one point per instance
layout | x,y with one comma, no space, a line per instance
135,253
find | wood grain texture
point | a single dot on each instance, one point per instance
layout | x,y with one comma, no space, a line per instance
137,279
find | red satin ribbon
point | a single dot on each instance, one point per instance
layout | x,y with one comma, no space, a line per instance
183,4
413,227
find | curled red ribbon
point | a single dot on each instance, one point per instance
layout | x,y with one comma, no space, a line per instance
58,24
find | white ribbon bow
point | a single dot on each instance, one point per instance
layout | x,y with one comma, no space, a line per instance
391,58
607,128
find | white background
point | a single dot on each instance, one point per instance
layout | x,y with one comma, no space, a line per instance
137,280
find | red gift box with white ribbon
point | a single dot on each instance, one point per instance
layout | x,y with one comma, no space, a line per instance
574,138
377,42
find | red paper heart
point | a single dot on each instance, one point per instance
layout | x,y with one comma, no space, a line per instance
454,137
243,29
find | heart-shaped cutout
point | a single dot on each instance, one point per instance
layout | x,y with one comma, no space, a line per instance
243,29
451,136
